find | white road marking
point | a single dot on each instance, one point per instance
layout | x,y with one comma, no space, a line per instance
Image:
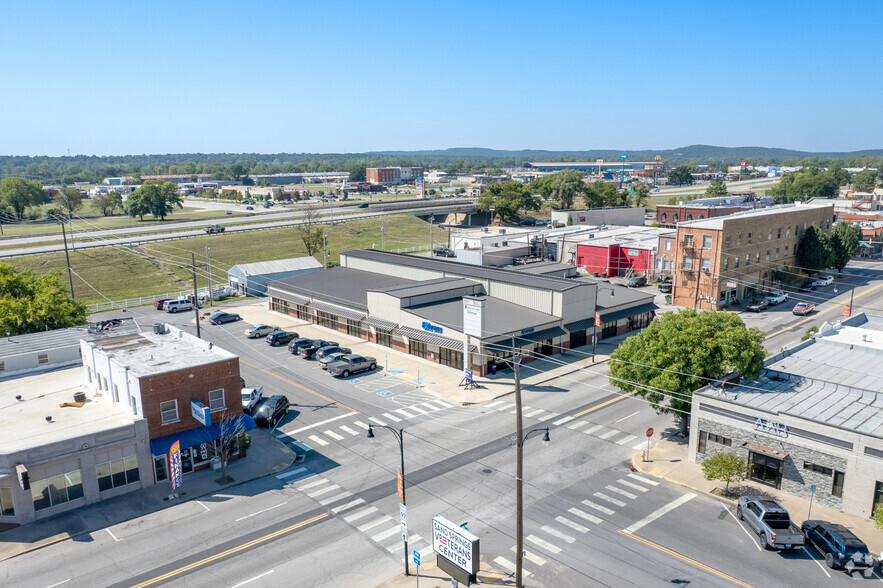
426,551
609,434
347,506
378,421
508,565
639,446
582,514
643,479
68,580
659,512
405,414
556,533
303,446
818,563
544,544
575,526
609,499
626,439
546,417
532,557
288,474
373,523
360,514
534,413
333,435
204,506
324,490
564,420
621,492
361,424
253,579
577,425
259,512
505,407
497,403
109,532
312,484
391,417
628,417
320,423
741,526
419,410
335,498
348,430
385,534
429,406
442,403
628,484
318,440
598,507
591,430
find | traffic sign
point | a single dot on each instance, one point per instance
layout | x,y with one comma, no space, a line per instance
416,557
650,432
403,516
812,488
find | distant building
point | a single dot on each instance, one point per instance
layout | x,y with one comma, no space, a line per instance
251,279
179,178
622,216
392,175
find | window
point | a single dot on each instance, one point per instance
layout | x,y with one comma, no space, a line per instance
767,254
779,233
327,320
56,490
749,238
688,240
701,216
688,263
705,264
747,259
736,266
726,263
302,312
675,216
668,245
720,439
159,466
43,358
417,348
777,253
2,366
216,400
353,328
817,468
703,441
118,472
786,249
6,507
116,393
169,411
739,240
788,233
689,217
727,241
770,236
837,486
278,305
384,338
452,358
706,242
757,260
662,217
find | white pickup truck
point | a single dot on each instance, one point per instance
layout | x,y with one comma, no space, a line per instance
250,398
776,297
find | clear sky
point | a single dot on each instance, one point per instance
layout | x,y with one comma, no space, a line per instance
115,78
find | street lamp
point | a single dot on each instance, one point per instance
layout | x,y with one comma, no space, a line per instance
398,433
519,530
851,296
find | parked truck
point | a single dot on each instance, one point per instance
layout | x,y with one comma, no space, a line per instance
250,398
770,521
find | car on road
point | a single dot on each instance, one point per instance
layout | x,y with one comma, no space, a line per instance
808,286
219,318
215,228
363,205
770,521
636,281
332,357
228,211
256,331
840,547
270,411
266,205
351,364
803,308
758,306
159,302
776,297
823,281
250,398
280,337
310,352
665,285
249,208
444,252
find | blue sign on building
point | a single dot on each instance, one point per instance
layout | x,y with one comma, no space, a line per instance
427,326
527,331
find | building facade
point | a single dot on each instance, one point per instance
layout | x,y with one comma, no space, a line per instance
251,279
392,175
632,252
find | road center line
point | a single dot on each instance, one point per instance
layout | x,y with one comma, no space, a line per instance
659,512
253,579
603,404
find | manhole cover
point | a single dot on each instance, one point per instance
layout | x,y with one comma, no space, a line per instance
487,471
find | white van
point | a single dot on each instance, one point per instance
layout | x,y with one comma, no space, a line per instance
176,305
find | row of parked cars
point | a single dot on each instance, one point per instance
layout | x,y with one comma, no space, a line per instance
336,360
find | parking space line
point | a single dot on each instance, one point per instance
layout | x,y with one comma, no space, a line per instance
260,512
659,512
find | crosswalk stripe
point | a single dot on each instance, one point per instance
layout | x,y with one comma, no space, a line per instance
348,430
532,557
497,403
575,526
544,544
610,499
347,506
373,523
291,473
426,551
598,507
318,440
508,565
609,434
626,439
312,484
385,534
415,539
302,446
556,533
395,546
583,514
564,420
621,492
360,514
378,421
418,410
577,425
334,435
505,407
405,413
641,445
591,430
391,417
643,479
628,484
360,424
336,498
546,417
323,490
442,403
534,413
429,406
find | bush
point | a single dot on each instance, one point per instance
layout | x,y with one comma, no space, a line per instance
809,333
725,467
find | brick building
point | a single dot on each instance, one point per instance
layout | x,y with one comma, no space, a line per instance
392,175
632,251
732,257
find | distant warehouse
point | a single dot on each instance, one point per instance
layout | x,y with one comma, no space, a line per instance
252,278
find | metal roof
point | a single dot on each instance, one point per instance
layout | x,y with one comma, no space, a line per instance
543,267
718,221
276,266
287,296
586,323
542,335
57,338
615,315
339,285
428,287
380,323
500,317
432,339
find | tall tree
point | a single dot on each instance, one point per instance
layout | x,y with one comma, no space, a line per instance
865,180
845,243
814,251
681,352
640,192
108,202
509,199
542,186
681,175
566,186
601,194
158,197
19,194
716,189
29,304
69,199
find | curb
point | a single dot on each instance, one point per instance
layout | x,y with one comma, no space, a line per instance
635,464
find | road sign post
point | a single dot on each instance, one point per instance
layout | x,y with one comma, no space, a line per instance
649,434
417,563
812,493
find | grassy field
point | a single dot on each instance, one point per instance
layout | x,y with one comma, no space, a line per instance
123,272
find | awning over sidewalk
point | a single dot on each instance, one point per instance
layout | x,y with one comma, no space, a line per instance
337,311
763,449
288,297
373,321
615,315
443,342
586,323
192,437
522,340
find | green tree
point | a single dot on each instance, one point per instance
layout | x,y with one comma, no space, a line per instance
725,467
157,197
716,189
108,202
814,251
19,194
566,186
542,186
865,180
682,351
601,194
681,175
845,243
640,194
29,304
136,205
69,199
878,517
509,199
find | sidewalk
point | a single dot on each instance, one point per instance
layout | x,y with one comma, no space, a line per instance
266,456
668,460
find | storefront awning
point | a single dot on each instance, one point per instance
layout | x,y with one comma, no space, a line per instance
288,297
433,339
380,323
192,437
586,323
522,340
758,448
615,315
337,311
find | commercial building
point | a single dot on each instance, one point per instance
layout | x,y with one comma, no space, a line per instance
178,178
416,305
392,175
251,279
813,419
618,215
626,251
728,258
669,215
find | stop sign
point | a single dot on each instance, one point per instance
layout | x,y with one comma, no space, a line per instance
650,432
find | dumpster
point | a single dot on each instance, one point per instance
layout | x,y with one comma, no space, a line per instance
668,299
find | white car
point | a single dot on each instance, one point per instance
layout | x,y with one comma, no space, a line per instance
776,297
824,281
250,398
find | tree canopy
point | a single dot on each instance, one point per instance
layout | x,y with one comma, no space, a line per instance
108,202
681,175
865,180
725,466
682,351
29,304
845,240
542,186
156,197
716,189
566,186
69,199
509,199
810,183
640,191
814,251
19,194
601,194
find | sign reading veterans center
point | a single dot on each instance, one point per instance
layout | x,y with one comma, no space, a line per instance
456,544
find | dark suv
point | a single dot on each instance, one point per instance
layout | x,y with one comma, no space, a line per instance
838,545
279,337
270,411
310,352
296,345
665,285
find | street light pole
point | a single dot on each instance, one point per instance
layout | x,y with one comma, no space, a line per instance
70,280
399,435
211,298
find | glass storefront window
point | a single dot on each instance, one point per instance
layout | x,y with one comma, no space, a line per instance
6,507
56,490
120,472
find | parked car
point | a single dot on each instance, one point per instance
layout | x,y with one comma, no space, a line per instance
770,521
444,252
259,331
665,285
270,411
636,282
160,302
351,364
332,357
808,286
803,308
329,349
822,281
363,205
174,306
310,352
295,345
838,545
220,318
279,337
215,228
266,205
776,297
250,398
758,306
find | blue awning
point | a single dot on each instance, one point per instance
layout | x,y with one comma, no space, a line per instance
193,437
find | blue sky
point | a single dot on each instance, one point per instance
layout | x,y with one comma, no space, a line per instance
114,78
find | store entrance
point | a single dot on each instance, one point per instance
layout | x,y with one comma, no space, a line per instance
765,469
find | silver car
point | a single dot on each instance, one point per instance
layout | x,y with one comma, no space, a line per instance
259,331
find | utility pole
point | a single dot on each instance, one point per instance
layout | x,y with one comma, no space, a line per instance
324,253
382,237
211,299
70,280
192,269
431,220
519,455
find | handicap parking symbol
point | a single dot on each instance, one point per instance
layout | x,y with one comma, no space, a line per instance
384,393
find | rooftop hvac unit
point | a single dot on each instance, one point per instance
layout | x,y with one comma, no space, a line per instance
159,328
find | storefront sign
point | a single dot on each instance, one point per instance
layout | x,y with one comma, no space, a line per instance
203,451
23,480
201,412
527,331
427,326
731,284
176,474
472,320
771,427
456,544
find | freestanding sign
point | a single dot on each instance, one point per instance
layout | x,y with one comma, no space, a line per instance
420,188
176,474
457,545
201,412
